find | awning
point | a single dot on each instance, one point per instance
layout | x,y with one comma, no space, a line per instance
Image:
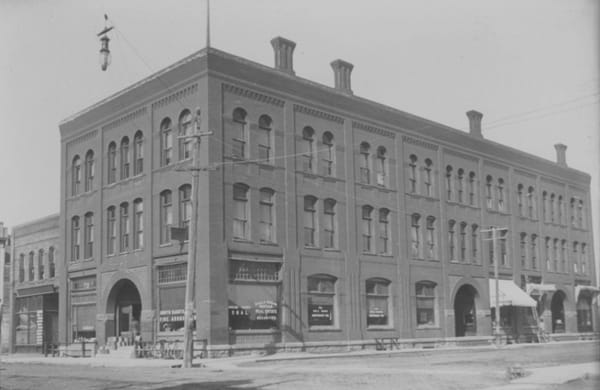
591,289
37,290
539,289
510,294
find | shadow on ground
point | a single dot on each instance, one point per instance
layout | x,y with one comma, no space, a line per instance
218,385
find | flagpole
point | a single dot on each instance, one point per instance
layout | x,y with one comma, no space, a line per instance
207,23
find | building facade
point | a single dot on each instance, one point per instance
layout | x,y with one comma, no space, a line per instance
323,217
5,251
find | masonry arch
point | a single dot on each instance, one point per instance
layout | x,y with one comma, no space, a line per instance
124,306
584,312
557,307
466,302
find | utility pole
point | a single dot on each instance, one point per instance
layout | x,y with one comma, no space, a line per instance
493,230
190,290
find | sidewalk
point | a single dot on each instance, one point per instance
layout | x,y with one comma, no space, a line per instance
543,377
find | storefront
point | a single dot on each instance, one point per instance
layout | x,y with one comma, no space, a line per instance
83,308
171,300
36,318
516,310
585,297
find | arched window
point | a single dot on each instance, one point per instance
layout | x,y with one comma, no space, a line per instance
428,177
40,275
166,142
30,268
111,230
310,221
76,176
138,153
322,310
240,212
185,206
489,194
267,215
463,242
531,203
185,129
425,303
561,210
500,190
555,255
265,140
581,214
545,206
381,167
460,181
584,259
449,184
89,170
523,250
503,248
384,231
534,253
412,174
451,240
563,256
328,154
576,257
166,216
329,224
21,268
475,243
51,263
125,158
88,234
573,213
124,227
520,204
240,135
138,224
75,238
367,229
552,208
431,238
415,235
378,302
365,157
112,163
472,189
308,149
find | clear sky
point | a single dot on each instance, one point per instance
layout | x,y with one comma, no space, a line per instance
531,66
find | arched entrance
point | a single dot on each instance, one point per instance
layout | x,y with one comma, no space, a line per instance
465,318
558,312
584,313
124,301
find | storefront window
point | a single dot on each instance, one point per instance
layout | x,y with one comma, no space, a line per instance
377,302
28,320
584,314
425,294
321,300
83,308
171,297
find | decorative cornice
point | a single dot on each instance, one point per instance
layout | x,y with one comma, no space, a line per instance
419,142
318,113
187,91
124,119
525,174
85,137
253,95
494,164
464,156
371,129
553,182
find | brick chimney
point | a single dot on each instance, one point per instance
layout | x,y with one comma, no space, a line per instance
284,54
561,154
475,123
341,74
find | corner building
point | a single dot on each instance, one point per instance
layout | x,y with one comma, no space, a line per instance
325,219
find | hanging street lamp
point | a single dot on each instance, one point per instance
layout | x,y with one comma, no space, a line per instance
104,50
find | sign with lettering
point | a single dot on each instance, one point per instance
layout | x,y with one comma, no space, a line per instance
265,311
320,315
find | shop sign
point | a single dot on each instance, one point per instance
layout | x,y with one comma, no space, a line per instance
320,314
172,315
265,311
376,312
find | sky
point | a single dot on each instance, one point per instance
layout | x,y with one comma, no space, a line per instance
530,66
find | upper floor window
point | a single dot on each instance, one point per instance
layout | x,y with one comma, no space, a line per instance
364,160
534,254
88,235
503,248
580,214
463,242
563,256
89,170
124,227
489,195
449,184
431,238
428,177
112,163
329,223
472,189
573,213
545,206
185,206
474,243
378,302
240,211
111,230
265,138
185,130
460,181
51,263
381,168
425,303
451,240
560,210
31,267
584,258
310,222
138,153
367,229
21,268
575,257
500,190
412,174
76,176
166,216
555,255
240,135
552,208
523,250
166,142
308,149
138,224
328,154
75,238
125,158
531,203
415,235
40,264
384,231
267,215
520,203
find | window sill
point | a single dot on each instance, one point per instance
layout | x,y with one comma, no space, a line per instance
331,249
420,196
269,243
323,328
254,331
380,328
428,327
242,240
312,247
165,245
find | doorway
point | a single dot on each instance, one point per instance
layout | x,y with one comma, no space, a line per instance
465,314
125,303
558,312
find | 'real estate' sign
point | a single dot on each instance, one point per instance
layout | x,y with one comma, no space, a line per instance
265,311
320,315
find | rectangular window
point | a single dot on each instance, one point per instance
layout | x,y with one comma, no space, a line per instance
309,221
415,236
534,262
267,220
75,238
112,164
124,227
451,241
523,250
463,242
472,189
89,235
431,251
166,217
321,301
264,144
239,140
329,224
384,232
367,228
412,181
425,297
138,225
240,211
428,181
111,230
475,243
167,144
377,303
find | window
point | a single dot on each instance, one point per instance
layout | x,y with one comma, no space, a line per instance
240,212
364,161
75,238
112,163
267,215
125,158
520,200
545,206
428,178
378,302
111,230
51,263
463,241
489,195
138,224
412,174
534,263
166,139
523,250
264,138
573,216
40,265
431,250
329,224
329,154
28,314
552,208
185,206
22,268
491,244
583,259
425,297
138,153
555,254
321,300
531,203
560,210
580,214
89,171
381,168
548,253
88,236
575,257
415,235
185,130
308,149
76,176
166,216
584,313
310,223
449,184
124,227
472,189
503,249
367,229
460,181
451,240
239,134
500,190
563,256
384,231
474,243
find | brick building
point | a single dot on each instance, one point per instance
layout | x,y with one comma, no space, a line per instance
327,218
